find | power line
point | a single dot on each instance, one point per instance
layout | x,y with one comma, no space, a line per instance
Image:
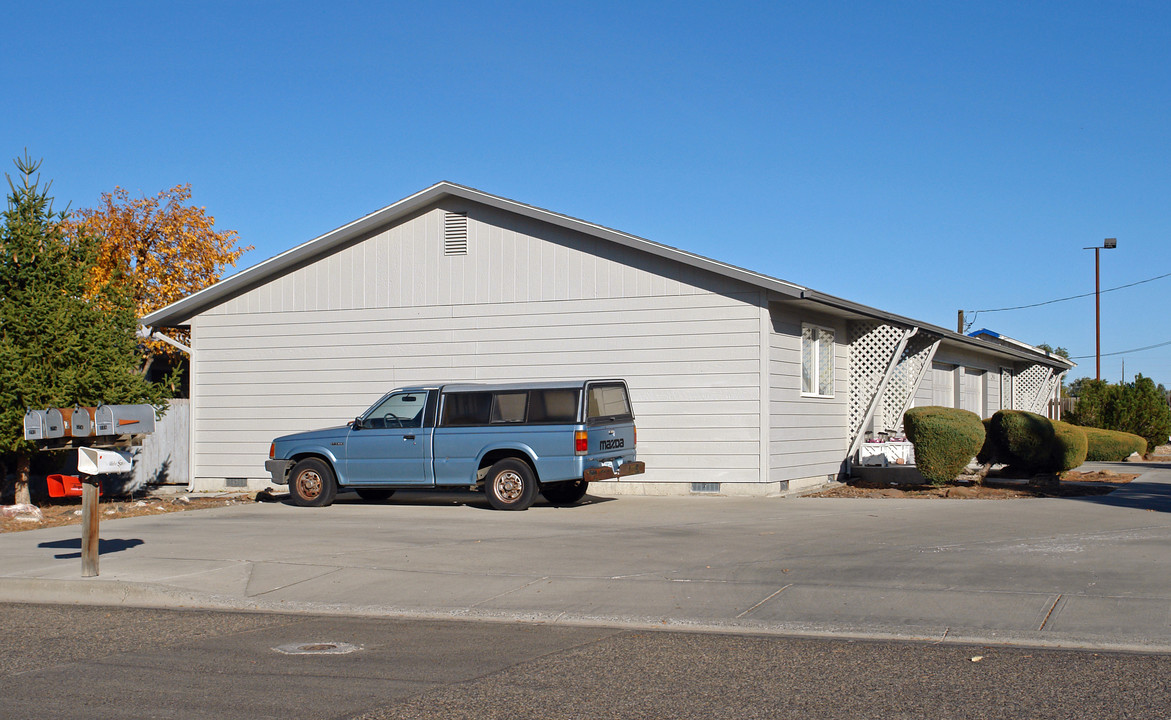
1071,297
1124,352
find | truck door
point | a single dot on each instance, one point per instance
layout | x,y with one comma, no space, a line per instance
391,444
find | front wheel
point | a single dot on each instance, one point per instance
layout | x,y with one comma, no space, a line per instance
510,485
312,484
563,494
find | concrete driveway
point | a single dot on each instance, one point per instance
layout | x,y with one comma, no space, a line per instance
1092,572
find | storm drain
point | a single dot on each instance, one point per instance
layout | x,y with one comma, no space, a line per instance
317,648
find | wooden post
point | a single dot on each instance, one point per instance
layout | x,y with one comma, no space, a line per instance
89,525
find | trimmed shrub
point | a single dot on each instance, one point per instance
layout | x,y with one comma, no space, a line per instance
1112,445
992,453
945,440
1069,450
1028,440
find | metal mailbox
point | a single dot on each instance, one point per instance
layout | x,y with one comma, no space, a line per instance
124,420
94,461
81,421
43,424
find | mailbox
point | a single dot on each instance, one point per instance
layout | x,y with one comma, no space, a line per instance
124,420
81,422
92,461
43,424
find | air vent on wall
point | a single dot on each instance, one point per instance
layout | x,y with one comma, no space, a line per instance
455,233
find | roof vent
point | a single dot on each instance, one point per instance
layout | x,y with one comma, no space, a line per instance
455,233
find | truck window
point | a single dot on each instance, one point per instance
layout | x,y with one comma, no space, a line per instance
606,403
508,407
553,406
462,409
401,410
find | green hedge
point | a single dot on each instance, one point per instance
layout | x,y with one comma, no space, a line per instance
945,440
1070,449
1028,440
1112,445
992,452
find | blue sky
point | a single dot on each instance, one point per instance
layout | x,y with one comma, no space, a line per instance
920,157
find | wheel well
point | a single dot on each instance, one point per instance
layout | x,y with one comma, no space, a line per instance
305,455
494,456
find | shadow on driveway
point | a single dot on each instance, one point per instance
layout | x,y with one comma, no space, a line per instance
105,547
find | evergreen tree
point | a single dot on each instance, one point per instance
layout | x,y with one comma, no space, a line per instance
61,344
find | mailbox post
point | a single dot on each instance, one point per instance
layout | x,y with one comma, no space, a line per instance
106,426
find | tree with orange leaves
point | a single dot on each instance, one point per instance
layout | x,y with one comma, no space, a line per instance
162,249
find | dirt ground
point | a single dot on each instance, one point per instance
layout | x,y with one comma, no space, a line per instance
67,511
1074,484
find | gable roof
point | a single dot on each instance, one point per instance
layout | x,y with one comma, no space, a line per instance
181,311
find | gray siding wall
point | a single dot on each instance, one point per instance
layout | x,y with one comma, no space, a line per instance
530,301
808,435
969,359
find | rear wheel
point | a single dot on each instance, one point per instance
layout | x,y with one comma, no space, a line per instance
375,494
564,493
510,485
312,484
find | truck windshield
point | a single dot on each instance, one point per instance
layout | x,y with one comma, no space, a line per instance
607,403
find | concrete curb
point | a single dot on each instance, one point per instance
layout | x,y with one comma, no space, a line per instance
144,595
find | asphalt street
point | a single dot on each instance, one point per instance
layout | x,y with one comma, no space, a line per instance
67,661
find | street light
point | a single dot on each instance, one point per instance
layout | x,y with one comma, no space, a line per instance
1107,244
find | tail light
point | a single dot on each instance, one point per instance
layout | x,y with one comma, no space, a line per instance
635,434
272,451
581,442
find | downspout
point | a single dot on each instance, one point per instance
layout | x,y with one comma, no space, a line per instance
147,333
890,371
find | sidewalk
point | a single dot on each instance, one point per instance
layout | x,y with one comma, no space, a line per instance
1088,572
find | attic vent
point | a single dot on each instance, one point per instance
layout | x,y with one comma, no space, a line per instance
455,233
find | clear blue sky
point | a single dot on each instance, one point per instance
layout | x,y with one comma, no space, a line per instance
920,157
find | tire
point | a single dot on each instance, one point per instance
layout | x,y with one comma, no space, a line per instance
312,483
375,494
510,485
564,494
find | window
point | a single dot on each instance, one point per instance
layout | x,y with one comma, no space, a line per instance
403,410
817,361
553,406
471,408
509,407
607,403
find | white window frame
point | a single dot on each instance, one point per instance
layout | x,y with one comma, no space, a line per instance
816,349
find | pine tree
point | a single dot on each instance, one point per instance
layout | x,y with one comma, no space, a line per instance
61,344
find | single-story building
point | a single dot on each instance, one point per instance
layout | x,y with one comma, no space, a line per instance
742,383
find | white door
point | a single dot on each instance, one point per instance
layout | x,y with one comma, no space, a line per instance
972,391
942,387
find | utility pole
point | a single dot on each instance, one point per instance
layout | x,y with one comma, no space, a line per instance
1107,244
960,323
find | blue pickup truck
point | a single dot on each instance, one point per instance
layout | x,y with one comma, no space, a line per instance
511,441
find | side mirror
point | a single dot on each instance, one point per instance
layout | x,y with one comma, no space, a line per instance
357,423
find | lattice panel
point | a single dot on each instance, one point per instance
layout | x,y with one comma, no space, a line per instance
902,383
872,346
1031,388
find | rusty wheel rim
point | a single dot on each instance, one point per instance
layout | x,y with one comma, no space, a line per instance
509,486
309,484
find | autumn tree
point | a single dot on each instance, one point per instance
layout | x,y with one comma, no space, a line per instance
64,340
162,249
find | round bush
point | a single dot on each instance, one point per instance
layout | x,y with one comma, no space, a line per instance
1112,445
992,453
1028,440
945,440
1070,448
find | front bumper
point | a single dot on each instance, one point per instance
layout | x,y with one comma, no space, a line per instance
606,472
279,470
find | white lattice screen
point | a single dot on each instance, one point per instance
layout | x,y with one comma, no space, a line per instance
872,346
1032,388
901,387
